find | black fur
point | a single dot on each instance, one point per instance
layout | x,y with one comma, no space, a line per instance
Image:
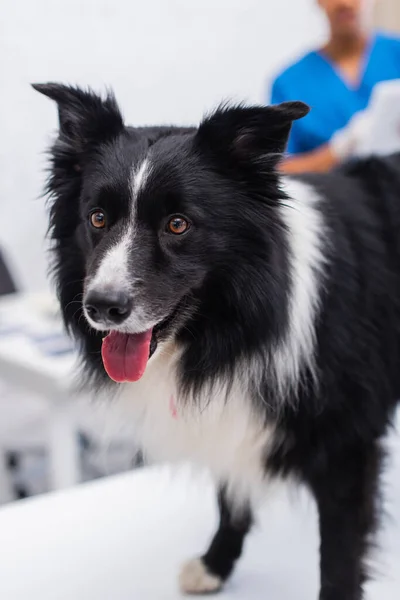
227,544
230,279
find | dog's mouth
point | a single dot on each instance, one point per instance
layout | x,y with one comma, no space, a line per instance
125,355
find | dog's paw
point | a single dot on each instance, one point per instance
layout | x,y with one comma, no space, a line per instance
195,579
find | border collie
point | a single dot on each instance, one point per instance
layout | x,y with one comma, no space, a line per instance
248,322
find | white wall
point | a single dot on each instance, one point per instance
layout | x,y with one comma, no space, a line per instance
168,61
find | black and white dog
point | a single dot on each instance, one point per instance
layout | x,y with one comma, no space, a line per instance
251,322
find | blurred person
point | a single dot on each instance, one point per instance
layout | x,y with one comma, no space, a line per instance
336,81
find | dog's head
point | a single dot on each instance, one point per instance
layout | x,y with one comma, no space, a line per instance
143,218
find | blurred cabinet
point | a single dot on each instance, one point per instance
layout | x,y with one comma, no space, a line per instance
387,15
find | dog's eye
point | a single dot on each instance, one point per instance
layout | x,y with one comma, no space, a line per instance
97,219
177,225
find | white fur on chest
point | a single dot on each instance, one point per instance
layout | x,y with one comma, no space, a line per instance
218,431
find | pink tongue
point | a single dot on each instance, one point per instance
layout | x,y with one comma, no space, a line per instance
125,355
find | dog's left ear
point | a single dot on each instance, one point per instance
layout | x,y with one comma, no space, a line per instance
243,134
84,117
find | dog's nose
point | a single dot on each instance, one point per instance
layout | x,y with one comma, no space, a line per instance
110,307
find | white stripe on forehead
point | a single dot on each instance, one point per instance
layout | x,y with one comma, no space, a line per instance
140,175
113,270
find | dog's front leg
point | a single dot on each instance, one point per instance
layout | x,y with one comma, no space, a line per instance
208,573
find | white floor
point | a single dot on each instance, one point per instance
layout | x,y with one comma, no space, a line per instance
124,538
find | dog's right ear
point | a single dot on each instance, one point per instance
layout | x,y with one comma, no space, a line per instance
85,118
246,136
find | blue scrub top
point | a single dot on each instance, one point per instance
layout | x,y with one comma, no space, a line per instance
314,79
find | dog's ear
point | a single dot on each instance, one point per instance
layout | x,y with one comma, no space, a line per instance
247,134
84,117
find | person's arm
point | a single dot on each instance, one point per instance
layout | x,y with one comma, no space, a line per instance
320,160
343,145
